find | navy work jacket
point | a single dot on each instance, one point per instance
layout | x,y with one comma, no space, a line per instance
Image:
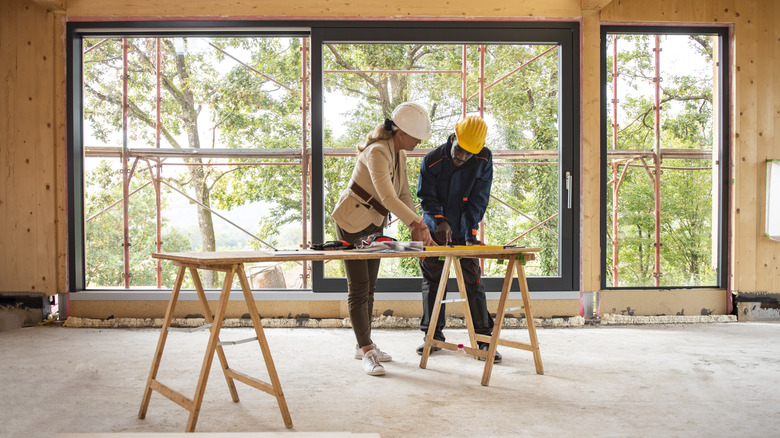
458,194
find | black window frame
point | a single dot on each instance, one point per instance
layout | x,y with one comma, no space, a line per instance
565,34
723,134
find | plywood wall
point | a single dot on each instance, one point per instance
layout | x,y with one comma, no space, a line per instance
31,149
32,109
382,9
756,115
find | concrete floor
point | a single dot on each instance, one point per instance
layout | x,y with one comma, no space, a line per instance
711,380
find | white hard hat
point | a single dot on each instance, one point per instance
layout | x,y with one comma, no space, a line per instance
413,119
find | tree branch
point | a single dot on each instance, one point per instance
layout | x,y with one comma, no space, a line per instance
135,111
340,61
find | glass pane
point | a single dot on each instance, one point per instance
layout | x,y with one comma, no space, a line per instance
662,163
365,82
222,145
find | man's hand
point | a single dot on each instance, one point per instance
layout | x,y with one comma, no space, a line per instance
474,242
443,233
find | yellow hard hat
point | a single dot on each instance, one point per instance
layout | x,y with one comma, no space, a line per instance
471,133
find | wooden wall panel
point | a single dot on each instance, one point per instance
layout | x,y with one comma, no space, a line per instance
756,115
14,252
8,46
27,219
773,257
43,182
672,11
60,144
765,64
746,135
591,153
172,9
32,131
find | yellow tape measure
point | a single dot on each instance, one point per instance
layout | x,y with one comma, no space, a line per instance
463,247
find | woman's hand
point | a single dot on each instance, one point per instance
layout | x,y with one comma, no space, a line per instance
421,233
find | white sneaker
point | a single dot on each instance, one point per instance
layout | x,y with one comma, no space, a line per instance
383,357
371,364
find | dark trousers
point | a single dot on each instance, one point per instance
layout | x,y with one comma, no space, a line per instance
432,268
361,284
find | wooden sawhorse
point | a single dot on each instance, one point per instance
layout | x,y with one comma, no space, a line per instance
515,263
214,345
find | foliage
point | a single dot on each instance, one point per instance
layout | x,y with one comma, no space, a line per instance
686,185
104,254
211,100
522,109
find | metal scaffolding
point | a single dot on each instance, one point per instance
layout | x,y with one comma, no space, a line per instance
628,158
155,157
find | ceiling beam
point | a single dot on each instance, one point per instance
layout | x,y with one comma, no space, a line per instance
57,5
594,5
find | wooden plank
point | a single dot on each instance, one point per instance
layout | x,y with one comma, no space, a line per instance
473,351
445,274
529,317
214,260
204,304
8,45
263,342
208,358
515,344
161,343
176,397
745,151
466,308
45,168
591,152
775,146
685,11
505,288
22,195
251,381
28,257
318,8
51,5
60,155
594,5
505,342
767,269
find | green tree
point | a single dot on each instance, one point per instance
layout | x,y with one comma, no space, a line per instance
104,254
524,106
246,111
686,184
257,105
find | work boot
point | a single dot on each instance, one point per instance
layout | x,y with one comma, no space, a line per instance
422,347
486,347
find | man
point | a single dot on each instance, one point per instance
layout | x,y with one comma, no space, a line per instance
454,189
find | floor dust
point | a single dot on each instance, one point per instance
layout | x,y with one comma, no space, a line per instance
669,380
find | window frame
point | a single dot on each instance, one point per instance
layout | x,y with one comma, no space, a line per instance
75,33
723,135
565,34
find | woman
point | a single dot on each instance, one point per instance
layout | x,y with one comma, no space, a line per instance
379,185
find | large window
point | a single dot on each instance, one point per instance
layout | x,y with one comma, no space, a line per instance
191,142
201,138
521,79
665,161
